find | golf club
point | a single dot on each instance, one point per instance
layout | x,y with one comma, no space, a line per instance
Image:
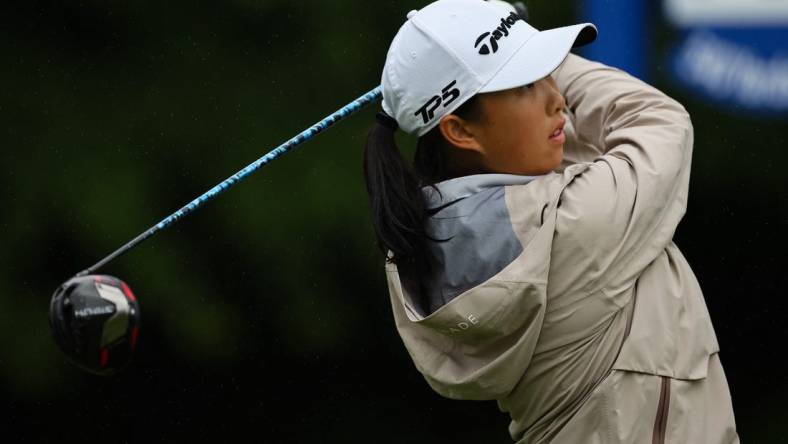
95,318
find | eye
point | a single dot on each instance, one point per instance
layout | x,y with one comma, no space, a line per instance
524,89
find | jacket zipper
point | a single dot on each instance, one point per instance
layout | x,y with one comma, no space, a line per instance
661,423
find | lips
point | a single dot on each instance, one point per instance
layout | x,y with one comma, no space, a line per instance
558,136
558,129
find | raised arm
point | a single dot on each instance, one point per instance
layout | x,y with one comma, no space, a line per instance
621,211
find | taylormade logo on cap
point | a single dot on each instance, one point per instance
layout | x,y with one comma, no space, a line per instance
451,50
497,34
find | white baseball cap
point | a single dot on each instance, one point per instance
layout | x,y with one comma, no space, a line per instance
451,50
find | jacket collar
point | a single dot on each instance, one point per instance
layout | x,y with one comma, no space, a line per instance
461,187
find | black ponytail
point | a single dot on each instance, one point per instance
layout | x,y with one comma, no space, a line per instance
395,195
399,211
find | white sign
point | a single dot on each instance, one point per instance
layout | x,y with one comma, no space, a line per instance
727,12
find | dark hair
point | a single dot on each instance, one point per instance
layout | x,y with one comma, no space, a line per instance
394,185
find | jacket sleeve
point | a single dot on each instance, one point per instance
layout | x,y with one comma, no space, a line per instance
621,209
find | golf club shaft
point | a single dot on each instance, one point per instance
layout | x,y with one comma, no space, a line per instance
372,96
521,9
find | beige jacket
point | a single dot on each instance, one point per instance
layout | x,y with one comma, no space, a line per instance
563,297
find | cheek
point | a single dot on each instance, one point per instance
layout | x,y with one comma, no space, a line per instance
530,135
530,122
518,140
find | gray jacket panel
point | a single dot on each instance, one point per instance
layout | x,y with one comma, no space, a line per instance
476,237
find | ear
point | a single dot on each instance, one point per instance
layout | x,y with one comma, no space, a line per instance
459,132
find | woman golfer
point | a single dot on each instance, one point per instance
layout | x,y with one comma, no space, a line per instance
529,251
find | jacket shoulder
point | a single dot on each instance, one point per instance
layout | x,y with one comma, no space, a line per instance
531,204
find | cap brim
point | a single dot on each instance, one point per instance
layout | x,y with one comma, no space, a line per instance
540,55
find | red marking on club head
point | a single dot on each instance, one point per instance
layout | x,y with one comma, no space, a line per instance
134,333
127,291
104,357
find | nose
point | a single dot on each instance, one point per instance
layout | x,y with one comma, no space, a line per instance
555,101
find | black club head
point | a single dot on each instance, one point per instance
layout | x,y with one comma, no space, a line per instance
95,321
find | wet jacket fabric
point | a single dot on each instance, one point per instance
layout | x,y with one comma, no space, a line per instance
563,296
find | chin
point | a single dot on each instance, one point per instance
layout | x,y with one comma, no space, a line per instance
558,158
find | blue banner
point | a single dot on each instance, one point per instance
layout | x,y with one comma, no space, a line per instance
733,53
622,34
